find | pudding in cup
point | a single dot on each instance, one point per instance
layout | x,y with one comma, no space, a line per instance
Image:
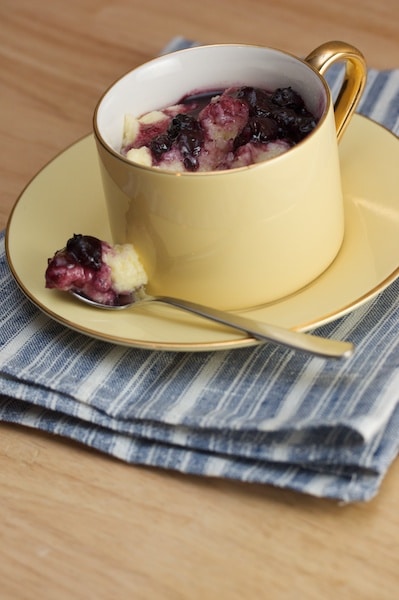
241,237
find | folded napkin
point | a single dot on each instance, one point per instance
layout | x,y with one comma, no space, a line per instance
263,414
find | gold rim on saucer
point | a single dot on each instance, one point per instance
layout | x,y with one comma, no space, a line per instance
66,197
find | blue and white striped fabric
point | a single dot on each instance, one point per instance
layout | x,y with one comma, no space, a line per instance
262,414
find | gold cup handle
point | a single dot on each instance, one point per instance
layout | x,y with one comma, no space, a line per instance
322,57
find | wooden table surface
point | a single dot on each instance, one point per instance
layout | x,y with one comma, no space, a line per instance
76,524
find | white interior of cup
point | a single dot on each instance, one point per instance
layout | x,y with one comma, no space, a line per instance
166,80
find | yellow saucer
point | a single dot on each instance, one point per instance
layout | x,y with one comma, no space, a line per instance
66,197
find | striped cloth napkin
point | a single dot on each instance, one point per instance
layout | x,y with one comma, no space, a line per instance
262,414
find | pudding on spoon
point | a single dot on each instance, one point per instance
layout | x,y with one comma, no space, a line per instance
112,277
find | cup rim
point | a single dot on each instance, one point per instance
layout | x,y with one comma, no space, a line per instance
153,169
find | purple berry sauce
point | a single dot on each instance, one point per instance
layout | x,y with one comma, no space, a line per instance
245,122
79,267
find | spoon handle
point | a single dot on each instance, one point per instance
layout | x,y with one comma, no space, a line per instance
305,342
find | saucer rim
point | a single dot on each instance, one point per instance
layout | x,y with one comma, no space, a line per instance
227,339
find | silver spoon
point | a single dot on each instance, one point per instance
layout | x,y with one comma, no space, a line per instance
305,342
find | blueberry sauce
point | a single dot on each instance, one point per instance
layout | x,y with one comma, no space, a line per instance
262,117
86,250
79,267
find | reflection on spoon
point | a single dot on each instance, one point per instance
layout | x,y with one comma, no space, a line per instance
304,342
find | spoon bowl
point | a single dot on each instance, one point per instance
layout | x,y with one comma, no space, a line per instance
262,332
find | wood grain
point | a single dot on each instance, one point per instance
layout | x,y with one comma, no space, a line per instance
76,524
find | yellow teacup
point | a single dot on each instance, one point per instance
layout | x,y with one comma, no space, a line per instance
247,236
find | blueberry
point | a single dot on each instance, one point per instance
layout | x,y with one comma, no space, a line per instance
285,117
186,132
248,94
86,250
190,143
287,97
259,101
304,124
257,129
263,129
159,145
180,123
